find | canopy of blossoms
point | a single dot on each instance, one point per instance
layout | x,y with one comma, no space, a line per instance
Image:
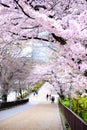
65,21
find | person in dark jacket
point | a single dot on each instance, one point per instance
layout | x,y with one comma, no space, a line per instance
52,99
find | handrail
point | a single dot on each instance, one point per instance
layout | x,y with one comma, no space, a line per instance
75,122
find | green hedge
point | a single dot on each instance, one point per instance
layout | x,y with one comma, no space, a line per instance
23,95
37,86
65,102
79,106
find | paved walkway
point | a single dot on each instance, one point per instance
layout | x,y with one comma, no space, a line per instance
40,117
43,116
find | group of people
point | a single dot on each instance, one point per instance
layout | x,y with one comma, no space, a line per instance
35,93
51,98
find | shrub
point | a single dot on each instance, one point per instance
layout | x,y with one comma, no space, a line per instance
37,86
79,106
84,116
66,102
23,95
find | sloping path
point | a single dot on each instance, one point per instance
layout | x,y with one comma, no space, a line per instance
43,116
6,113
40,117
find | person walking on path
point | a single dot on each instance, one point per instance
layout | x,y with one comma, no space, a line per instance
42,116
47,96
52,99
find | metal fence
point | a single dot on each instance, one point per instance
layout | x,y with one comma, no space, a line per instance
75,122
4,105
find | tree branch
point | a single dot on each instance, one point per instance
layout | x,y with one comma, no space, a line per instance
5,5
30,27
37,7
59,39
22,9
83,29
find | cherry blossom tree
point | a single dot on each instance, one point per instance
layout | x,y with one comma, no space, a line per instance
13,73
64,78
39,72
65,22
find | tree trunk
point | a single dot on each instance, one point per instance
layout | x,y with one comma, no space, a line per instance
21,93
4,97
